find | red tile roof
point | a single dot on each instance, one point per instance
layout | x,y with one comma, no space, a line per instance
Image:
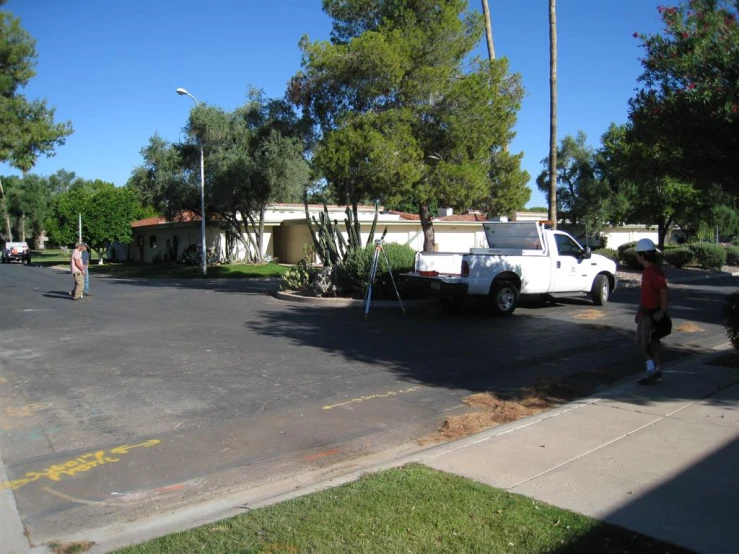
185,216
464,217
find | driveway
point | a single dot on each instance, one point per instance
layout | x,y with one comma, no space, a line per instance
155,394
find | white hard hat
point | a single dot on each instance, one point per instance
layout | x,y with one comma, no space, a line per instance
646,245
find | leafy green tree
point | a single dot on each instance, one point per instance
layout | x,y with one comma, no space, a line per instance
28,199
404,113
711,211
107,212
688,102
639,176
584,198
253,156
28,127
63,181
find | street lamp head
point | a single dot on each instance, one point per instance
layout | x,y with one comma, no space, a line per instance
181,91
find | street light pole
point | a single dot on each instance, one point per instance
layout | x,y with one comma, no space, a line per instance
181,92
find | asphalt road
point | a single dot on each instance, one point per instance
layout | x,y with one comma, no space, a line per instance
151,394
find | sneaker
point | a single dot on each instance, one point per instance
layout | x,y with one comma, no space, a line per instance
652,378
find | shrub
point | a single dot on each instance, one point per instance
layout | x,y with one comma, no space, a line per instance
191,255
299,277
679,257
354,273
708,255
623,247
609,253
731,312
628,257
732,255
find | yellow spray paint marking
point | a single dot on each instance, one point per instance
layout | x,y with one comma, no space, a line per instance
590,314
27,410
86,462
24,411
373,397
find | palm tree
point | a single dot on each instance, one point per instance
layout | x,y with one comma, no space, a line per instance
553,112
488,30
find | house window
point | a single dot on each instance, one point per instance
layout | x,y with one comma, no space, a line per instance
152,241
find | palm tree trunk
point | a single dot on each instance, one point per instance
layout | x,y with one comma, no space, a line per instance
488,30
553,112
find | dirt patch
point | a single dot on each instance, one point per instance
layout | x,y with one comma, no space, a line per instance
590,314
726,360
491,410
70,547
689,327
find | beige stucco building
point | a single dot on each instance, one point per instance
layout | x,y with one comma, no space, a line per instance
286,234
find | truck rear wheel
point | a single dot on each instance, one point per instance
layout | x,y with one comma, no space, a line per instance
601,290
503,298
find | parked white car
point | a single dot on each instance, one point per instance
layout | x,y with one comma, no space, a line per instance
17,251
522,258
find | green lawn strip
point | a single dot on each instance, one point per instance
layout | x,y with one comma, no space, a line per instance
170,271
410,509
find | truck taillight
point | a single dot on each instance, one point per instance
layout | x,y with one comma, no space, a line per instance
465,269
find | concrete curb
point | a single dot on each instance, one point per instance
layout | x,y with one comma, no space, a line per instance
344,302
14,540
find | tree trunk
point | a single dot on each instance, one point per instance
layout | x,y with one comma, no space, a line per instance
23,227
553,112
427,226
261,234
489,39
488,30
6,217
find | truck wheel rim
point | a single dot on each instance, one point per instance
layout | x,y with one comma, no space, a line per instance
505,299
604,291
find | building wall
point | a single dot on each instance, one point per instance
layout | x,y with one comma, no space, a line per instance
617,237
239,252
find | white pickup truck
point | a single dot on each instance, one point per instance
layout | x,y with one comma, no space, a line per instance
522,258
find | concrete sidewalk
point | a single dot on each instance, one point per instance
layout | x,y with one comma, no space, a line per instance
661,460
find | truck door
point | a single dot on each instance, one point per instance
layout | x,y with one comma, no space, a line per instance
570,269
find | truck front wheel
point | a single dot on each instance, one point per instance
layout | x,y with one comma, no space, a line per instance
601,290
503,297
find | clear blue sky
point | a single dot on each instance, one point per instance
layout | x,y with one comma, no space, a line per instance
112,67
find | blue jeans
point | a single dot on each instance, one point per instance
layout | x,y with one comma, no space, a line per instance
87,281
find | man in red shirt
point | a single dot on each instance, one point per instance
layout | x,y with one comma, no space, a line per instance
652,308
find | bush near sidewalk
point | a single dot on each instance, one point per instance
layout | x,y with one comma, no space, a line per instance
708,255
410,509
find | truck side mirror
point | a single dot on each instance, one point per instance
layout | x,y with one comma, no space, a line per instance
586,255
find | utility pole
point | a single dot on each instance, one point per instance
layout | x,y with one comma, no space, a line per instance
553,113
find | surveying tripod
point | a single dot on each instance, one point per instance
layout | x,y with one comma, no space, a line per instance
379,248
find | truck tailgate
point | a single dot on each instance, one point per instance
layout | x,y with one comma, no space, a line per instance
439,263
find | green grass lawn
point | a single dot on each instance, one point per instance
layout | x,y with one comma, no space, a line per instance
410,509
172,271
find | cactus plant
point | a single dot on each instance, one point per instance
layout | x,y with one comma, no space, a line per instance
331,246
